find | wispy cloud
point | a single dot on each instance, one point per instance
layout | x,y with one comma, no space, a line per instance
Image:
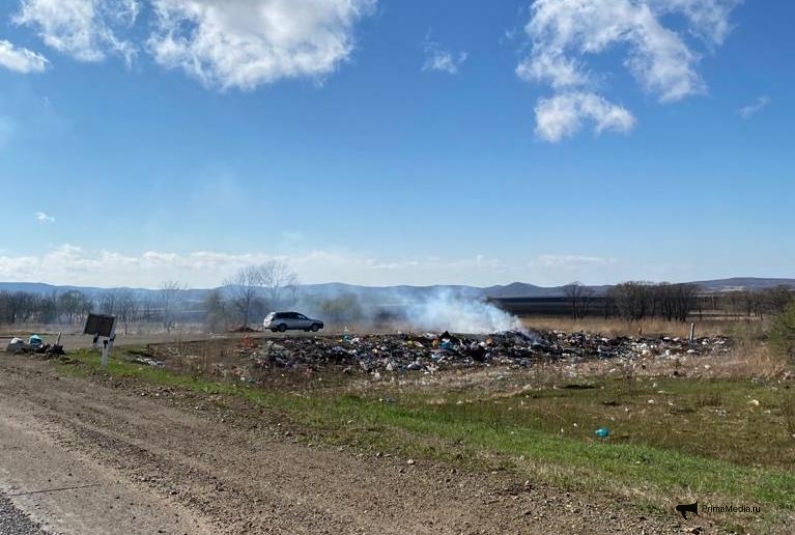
752,109
248,44
41,217
570,262
87,30
563,115
565,34
72,264
440,60
21,59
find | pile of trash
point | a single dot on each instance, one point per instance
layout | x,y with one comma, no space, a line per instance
432,352
34,344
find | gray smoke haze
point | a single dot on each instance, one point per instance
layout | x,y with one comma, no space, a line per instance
425,309
447,312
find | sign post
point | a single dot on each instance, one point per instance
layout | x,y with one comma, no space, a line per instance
102,325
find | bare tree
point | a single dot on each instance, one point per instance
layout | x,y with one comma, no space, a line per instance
634,300
127,308
108,302
685,296
245,289
150,305
579,297
776,299
749,302
73,306
216,313
733,302
47,308
22,307
277,280
170,299
254,285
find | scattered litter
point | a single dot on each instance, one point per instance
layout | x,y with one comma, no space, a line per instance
603,432
16,345
35,344
149,362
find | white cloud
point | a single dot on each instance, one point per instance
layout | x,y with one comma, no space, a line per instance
437,59
752,109
83,29
225,44
563,115
569,262
248,44
553,68
71,264
565,34
708,19
21,59
44,218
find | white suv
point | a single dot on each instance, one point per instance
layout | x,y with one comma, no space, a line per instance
283,321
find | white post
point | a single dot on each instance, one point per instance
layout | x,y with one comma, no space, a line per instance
109,344
692,331
112,336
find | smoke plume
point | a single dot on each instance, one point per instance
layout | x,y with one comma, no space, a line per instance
445,311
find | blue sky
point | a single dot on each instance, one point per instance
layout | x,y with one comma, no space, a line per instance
386,142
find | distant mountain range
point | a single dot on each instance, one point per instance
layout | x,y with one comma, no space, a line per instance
743,283
404,293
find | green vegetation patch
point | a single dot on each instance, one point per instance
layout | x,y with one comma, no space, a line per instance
670,438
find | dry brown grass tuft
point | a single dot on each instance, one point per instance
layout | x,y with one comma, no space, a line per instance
750,359
647,328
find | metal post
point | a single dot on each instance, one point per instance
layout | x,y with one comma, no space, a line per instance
692,331
108,345
112,336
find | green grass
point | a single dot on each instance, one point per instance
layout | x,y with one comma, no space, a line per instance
699,440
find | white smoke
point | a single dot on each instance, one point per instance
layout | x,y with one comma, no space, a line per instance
445,311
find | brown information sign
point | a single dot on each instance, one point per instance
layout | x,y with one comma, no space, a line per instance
99,324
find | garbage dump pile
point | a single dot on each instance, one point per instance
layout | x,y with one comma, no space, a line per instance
34,344
434,352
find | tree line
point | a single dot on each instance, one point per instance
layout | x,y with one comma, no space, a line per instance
255,290
72,307
635,301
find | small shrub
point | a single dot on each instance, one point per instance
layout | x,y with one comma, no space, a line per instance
782,333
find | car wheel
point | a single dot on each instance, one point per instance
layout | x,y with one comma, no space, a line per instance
315,328
282,328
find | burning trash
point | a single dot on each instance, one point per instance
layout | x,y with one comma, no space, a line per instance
429,353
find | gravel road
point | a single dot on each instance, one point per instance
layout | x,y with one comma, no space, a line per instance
15,522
